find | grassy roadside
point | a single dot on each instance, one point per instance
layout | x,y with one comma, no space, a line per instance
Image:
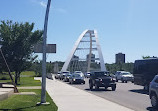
27,102
28,81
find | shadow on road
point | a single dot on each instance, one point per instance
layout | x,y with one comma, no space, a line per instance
141,91
98,90
151,109
75,83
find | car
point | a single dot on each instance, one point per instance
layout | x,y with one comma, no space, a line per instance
78,72
63,74
124,76
57,76
117,75
144,71
101,79
77,78
50,76
87,74
153,92
66,78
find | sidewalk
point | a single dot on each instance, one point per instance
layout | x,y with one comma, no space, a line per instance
5,93
69,98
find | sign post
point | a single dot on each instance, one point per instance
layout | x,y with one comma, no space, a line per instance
43,92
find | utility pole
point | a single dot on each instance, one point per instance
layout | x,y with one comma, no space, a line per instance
43,92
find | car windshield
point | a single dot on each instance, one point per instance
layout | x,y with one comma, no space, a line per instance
69,75
76,75
125,73
78,72
65,72
100,74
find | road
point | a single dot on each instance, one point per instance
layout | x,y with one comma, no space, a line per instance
126,94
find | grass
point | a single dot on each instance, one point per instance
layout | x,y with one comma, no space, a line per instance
28,81
27,102
28,73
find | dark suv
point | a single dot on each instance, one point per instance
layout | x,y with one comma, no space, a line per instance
101,79
153,92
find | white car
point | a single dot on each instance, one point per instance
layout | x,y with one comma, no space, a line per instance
124,76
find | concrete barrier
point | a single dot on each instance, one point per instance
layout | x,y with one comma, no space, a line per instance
5,93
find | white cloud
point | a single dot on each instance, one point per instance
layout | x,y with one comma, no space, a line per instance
43,4
39,2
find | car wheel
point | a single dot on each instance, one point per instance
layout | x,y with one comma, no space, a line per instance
116,80
122,80
96,87
154,101
125,81
83,82
113,88
90,86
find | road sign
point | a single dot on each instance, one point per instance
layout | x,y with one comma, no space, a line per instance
50,48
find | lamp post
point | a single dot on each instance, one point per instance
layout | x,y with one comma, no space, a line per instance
43,92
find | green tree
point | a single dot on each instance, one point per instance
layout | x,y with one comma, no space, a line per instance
17,45
120,67
147,57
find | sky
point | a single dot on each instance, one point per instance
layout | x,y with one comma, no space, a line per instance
127,26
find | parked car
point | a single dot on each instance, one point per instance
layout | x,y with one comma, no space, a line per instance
66,78
63,74
101,79
153,92
124,76
77,78
87,74
57,76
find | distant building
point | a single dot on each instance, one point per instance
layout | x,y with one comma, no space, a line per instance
120,58
92,57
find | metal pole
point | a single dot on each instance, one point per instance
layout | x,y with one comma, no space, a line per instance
43,92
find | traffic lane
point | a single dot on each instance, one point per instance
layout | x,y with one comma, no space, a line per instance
126,94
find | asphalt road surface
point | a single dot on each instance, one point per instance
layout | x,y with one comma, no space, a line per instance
126,94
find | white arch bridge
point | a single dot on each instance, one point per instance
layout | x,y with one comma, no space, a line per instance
86,54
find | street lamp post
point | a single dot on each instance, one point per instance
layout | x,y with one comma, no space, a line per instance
43,92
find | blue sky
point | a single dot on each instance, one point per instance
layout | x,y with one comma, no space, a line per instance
127,26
